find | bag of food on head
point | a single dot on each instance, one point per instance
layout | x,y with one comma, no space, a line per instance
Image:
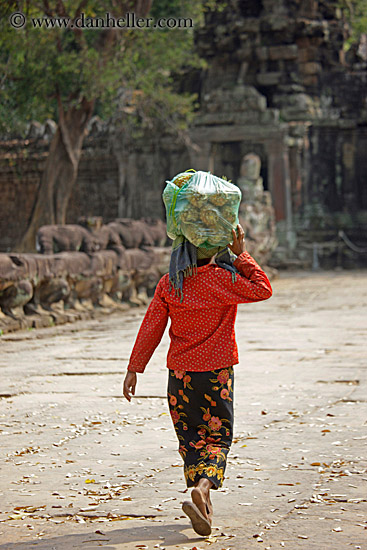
201,207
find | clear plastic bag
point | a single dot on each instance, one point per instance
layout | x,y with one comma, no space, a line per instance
201,207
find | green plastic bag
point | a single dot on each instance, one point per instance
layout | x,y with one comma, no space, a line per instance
201,207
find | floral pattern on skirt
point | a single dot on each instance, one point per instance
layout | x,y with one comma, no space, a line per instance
201,407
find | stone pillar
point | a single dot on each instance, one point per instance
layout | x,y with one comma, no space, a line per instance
280,189
201,156
290,234
276,178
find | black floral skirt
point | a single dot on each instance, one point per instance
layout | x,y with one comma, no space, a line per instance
201,407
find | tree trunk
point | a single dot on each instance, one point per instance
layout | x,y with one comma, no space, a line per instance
60,172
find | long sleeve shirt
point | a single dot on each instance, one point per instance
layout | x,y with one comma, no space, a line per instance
202,326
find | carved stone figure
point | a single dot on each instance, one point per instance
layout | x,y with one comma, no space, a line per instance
15,295
132,233
256,211
104,235
158,230
77,280
52,239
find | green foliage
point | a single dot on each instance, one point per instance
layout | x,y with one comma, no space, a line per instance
355,13
216,5
41,66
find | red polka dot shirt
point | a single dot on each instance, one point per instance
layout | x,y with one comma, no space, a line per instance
202,326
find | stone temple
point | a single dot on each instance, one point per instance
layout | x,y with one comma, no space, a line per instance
280,88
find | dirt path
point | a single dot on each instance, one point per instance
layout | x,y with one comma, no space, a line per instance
82,468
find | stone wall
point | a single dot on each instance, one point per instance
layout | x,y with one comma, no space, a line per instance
21,165
278,84
111,182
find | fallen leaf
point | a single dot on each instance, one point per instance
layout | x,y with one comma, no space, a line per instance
56,520
17,516
30,508
90,481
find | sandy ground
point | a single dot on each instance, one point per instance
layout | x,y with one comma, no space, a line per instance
82,468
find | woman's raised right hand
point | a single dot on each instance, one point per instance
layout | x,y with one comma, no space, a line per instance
238,246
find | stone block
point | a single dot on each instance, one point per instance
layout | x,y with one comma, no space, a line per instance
250,24
248,117
303,42
293,114
307,54
283,52
274,22
300,102
310,80
310,68
211,119
290,89
269,79
262,53
270,116
247,98
303,55
245,52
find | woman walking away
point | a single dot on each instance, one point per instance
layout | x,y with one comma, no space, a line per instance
201,356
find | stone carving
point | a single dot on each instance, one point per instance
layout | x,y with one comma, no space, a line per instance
14,296
256,211
104,235
52,239
74,274
157,230
132,233
250,167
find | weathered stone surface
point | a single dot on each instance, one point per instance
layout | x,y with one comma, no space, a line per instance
303,377
310,68
283,52
269,79
262,53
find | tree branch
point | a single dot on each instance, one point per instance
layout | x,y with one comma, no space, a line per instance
60,9
79,9
46,8
65,133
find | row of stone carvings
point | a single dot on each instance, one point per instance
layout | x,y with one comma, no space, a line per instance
78,269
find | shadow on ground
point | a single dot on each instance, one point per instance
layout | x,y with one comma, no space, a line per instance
167,535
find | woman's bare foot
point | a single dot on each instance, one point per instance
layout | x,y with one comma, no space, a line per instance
199,500
200,496
200,509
